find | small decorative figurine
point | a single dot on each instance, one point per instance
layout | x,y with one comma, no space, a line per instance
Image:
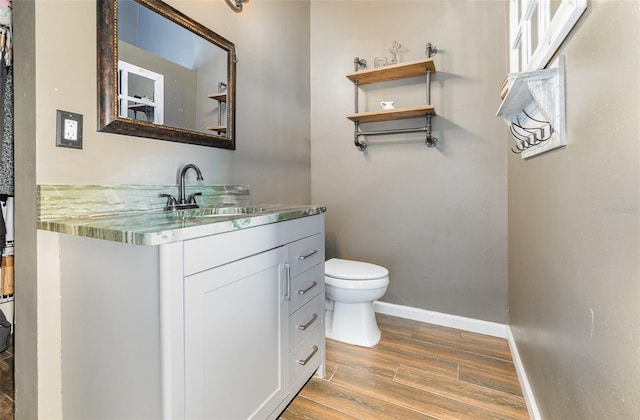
395,47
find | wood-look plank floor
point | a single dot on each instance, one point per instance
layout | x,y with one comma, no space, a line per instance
417,371
6,384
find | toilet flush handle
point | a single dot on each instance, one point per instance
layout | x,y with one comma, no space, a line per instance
310,254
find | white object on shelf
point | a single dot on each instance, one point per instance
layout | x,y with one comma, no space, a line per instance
534,109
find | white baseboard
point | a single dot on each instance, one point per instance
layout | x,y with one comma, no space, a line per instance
493,329
532,407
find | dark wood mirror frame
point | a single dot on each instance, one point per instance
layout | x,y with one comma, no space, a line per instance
108,118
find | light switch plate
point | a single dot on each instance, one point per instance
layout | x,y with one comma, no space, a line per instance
68,129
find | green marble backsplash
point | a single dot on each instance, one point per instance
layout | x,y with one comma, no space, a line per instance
67,201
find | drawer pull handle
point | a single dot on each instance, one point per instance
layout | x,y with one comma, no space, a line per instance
287,292
310,254
308,324
311,286
305,361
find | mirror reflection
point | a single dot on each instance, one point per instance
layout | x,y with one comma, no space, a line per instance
162,69
174,78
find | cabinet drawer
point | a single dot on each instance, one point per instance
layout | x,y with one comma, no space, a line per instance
214,250
305,287
304,321
306,358
306,253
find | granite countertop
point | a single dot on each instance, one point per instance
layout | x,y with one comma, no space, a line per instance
157,227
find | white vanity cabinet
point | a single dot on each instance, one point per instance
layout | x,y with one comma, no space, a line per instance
223,326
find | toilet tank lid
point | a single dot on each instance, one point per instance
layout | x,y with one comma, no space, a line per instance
353,270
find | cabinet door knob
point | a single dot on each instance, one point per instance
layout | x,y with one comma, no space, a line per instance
308,324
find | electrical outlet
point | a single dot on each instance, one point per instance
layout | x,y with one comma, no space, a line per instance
68,129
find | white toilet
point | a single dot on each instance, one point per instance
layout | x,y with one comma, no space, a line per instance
351,287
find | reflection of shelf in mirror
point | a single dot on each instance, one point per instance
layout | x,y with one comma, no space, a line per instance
393,114
220,97
141,107
218,128
393,72
147,110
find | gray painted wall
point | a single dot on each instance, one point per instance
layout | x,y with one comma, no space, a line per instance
574,241
436,218
25,337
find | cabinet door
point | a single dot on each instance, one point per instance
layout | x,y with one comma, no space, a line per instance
236,340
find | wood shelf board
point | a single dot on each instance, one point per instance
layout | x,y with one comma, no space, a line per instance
220,97
218,128
393,114
393,72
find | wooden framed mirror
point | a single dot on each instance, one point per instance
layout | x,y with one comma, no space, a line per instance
162,75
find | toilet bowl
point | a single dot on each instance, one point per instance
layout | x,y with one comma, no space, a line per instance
351,287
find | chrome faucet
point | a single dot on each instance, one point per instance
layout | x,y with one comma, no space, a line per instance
182,202
183,173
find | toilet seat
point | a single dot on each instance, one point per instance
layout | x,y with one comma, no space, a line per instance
347,274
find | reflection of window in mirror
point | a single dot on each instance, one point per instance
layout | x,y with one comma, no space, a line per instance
141,93
537,28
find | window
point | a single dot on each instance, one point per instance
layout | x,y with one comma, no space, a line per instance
537,28
141,93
